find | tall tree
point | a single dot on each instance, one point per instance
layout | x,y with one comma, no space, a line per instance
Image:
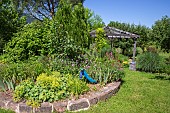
65,35
9,22
161,33
40,9
95,21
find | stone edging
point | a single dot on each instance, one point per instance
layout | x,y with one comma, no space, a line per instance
71,105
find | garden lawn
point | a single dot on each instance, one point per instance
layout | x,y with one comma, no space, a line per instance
140,93
6,111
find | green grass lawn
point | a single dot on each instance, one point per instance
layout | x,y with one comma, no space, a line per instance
6,111
140,93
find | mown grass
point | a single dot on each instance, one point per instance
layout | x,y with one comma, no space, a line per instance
140,93
6,111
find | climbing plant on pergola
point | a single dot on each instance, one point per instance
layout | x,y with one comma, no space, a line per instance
113,33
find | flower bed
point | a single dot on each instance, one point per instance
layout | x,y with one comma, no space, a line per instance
72,105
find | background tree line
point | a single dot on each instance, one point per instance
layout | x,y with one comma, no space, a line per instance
77,24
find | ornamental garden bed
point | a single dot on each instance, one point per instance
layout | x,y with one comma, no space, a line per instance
83,102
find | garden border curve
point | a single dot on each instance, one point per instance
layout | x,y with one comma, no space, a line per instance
71,105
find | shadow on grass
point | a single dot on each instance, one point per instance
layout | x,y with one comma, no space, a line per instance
122,82
161,77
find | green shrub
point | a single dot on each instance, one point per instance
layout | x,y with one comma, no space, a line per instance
14,73
65,66
49,88
65,35
149,62
166,69
167,66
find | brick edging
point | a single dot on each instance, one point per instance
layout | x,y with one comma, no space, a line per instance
71,105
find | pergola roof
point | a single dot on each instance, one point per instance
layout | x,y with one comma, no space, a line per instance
112,32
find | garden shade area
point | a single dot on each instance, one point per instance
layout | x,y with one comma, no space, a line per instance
112,33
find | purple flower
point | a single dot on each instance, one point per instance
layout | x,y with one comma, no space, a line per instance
87,67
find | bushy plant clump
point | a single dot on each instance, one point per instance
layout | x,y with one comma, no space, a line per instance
11,74
167,66
49,88
65,35
149,62
105,69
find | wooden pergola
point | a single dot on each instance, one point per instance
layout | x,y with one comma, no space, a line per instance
112,33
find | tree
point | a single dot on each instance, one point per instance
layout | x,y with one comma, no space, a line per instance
95,21
40,9
161,33
9,22
65,35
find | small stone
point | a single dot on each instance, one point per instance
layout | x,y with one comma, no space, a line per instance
93,99
12,105
60,106
103,96
2,104
44,108
23,108
80,104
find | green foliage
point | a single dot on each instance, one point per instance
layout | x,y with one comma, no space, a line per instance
100,39
49,88
65,66
40,9
161,33
6,111
11,74
10,22
103,69
65,35
26,43
167,65
73,29
149,62
95,21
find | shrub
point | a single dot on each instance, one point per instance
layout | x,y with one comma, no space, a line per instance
49,88
167,66
65,66
14,73
65,35
149,62
100,39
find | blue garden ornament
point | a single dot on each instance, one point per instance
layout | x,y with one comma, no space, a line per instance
84,73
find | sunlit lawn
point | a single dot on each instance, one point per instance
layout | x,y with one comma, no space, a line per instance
140,93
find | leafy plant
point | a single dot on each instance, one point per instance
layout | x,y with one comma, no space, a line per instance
149,62
100,39
103,69
10,21
49,88
12,74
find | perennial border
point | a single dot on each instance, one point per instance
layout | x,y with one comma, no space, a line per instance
71,105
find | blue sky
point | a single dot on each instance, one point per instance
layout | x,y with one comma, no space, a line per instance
144,12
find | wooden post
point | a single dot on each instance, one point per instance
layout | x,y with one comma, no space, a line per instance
133,63
134,50
111,43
